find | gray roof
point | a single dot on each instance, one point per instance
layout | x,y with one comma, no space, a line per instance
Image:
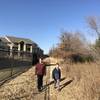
17,40
3,44
3,40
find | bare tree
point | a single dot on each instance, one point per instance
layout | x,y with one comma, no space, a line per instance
94,24
70,43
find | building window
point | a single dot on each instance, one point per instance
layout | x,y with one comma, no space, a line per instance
21,46
28,48
15,48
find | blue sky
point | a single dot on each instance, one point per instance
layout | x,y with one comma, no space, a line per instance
43,20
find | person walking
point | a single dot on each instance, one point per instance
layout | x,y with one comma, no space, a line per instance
56,75
40,71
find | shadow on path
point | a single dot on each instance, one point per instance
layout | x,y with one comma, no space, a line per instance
50,83
47,89
65,84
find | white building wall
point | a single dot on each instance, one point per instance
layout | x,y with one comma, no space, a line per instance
25,47
31,49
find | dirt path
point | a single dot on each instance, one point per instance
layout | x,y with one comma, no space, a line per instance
23,87
54,93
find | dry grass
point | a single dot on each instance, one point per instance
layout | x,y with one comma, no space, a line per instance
86,81
19,88
85,84
23,87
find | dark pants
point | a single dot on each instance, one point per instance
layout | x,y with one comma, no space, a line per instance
39,81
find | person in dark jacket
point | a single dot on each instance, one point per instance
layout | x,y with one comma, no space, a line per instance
40,71
56,75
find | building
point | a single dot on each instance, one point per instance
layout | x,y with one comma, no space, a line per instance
21,45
